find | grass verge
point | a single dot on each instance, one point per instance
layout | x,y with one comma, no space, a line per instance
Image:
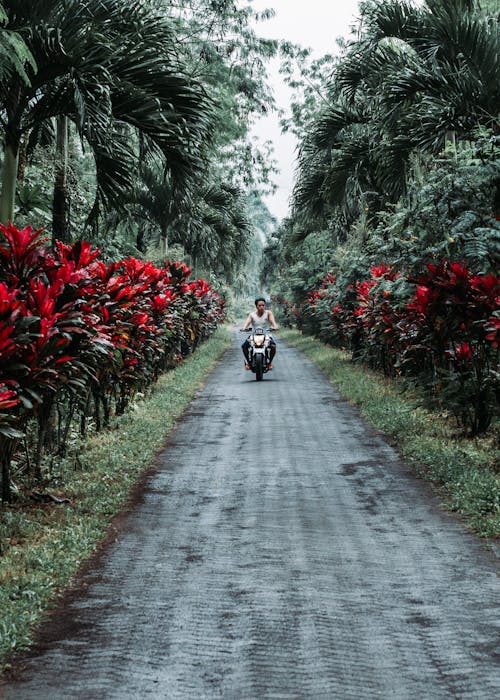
465,471
44,545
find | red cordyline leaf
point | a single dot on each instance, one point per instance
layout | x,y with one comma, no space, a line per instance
488,287
177,272
63,359
124,287
462,352
445,273
8,347
140,272
43,298
363,290
80,253
458,271
422,300
66,273
119,290
200,288
160,302
140,319
385,271
10,304
47,330
313,297
8,397
432,268
100,271
77,300
22,249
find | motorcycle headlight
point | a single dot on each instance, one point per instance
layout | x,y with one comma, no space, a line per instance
259,340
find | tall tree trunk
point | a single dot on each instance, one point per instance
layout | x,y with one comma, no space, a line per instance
450,141
60,202
139,239
7,447
164,242
22,158
9,180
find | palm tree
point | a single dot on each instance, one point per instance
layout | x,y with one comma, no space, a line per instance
206,218
16,60
218,229
436,67
109,66
153,205
415,79
60,206
15,56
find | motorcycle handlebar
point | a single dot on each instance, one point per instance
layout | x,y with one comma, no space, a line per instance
250,330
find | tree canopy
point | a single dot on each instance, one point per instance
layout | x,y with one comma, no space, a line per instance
161,95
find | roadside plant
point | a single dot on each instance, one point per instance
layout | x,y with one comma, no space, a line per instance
79,338
439,330
450,341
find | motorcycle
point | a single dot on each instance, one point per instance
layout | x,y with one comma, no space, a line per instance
259,351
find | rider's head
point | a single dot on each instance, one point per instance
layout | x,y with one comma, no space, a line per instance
260,301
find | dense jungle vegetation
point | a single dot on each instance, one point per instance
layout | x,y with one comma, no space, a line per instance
392,246
126,142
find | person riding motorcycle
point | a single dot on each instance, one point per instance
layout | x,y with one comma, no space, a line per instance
260,318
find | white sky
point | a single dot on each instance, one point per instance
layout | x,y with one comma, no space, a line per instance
311,23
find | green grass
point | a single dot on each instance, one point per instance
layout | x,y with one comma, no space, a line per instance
463,470
44,545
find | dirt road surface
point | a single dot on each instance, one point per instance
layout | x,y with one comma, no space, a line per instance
281,550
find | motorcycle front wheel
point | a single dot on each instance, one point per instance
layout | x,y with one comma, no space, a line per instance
259,367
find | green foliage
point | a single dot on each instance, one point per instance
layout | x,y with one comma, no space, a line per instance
16,59
399,155
161,98
412,80
449,211
224,52
309,80
94,82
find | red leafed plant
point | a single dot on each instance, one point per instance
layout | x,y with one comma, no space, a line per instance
77,335
376,318
441,330
450,342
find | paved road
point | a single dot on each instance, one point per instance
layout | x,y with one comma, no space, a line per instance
281,551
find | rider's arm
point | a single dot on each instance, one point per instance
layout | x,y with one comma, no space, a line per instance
274,325
247,323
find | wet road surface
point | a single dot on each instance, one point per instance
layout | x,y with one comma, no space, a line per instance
281,550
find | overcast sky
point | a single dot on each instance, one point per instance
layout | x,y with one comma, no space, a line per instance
311,23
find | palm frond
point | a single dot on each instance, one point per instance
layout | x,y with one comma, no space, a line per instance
15,58
108,65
